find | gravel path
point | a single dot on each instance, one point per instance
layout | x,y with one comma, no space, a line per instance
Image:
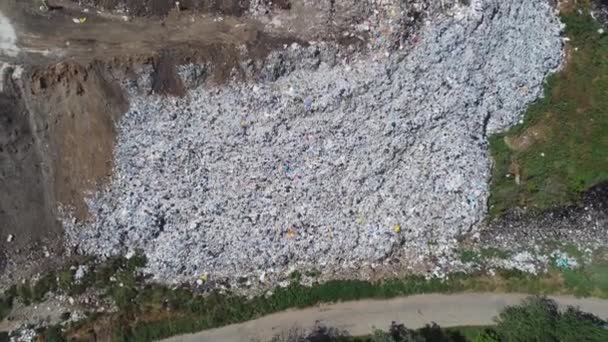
360,317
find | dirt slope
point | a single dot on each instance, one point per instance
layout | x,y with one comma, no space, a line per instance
26,210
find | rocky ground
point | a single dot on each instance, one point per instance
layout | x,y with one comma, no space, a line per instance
583,224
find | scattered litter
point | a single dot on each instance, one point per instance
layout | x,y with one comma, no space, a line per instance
10,238
242,191
361,219
291,233
307,104
397,228
79,20
129,254
564,261
600,31
81,272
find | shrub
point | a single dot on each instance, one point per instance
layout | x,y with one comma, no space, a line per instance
539,319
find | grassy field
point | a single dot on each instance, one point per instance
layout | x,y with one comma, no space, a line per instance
561,148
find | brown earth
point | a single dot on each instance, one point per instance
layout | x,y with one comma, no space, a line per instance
77,108
162,7
56,146
26,209
532,135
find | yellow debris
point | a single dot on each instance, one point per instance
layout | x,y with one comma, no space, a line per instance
397,228
361,219
204,277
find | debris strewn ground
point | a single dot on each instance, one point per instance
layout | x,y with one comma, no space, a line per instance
318,161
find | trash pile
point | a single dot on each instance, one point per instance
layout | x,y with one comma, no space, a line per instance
336,164
525,261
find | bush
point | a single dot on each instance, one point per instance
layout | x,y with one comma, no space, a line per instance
24,292
43,286
65,280
487,335
53,334
539,319
6,305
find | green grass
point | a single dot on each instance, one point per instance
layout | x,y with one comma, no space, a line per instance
195,313
469,333
483,254
148,312
571,122
6,305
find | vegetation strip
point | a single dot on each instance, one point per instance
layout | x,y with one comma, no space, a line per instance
560,149
147,312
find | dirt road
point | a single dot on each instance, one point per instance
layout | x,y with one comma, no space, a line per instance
83,34
360,317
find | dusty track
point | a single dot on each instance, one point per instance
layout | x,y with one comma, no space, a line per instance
361,317
46,37
53,36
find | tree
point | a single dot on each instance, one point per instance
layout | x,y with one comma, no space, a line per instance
539,319
399,333
320,333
